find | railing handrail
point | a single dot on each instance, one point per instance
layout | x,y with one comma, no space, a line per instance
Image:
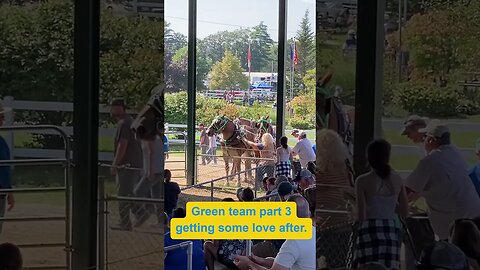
38,161
123,166
189,245
273,194
133,199
178,246
31,190
243,158
218,179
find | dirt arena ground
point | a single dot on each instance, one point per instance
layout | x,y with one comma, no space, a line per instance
222,188
140,249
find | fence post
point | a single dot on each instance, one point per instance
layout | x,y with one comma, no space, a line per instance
248,248
9,119
101,224
190,256
211,191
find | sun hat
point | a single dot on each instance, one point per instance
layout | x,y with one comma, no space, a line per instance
413,121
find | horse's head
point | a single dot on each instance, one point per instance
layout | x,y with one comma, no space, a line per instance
149,122
264,125
218,125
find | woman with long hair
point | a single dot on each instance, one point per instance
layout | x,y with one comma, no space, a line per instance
332,178
466,236
380,196
284,159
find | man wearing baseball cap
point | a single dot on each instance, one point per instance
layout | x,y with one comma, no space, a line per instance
411,128
304,179
442,179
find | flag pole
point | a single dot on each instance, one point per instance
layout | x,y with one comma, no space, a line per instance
249,66
293,69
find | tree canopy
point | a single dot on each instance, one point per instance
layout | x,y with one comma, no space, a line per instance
228,74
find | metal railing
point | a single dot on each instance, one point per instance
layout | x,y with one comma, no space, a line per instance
67,164
266,197
184,134
189,246
212,182
104,200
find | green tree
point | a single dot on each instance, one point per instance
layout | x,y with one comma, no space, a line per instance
305,44
180,60
36,59
227,74
215,45
261,48
310,81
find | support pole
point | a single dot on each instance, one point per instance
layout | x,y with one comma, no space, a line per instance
282,45
369,78
85,135
192,91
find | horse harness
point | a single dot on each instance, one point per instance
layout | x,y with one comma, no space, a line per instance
238,136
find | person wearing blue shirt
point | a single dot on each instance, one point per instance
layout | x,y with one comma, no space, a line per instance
177,259
5,174
475,171
165,146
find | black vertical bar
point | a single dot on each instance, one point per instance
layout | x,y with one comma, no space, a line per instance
192,90
369,78
282,41
85,134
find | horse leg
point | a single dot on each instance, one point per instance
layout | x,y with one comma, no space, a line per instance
226,160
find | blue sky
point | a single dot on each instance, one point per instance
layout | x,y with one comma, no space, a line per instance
219,15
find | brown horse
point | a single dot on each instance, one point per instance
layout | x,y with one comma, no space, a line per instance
234,146
259,127
264,125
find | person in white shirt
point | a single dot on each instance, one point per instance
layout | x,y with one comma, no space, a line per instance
304,150
442,179
212,149
293,255
411,129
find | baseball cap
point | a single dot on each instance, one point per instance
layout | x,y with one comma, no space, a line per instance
413,121
435,128
302,174
443,255
284,188
119,102
295,131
